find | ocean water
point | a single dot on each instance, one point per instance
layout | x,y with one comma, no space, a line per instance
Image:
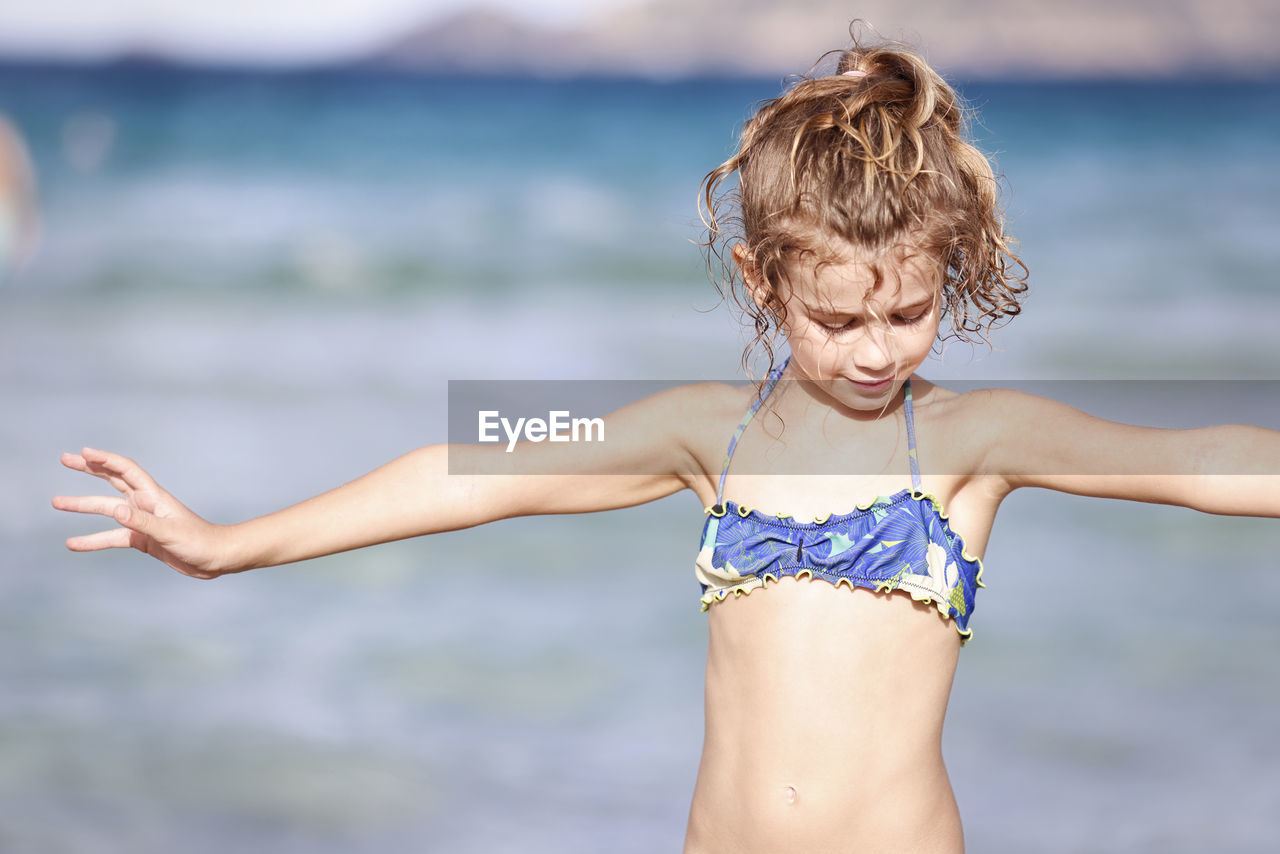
259,286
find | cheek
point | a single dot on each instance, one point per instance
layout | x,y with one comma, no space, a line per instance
918,345
914,344
815,352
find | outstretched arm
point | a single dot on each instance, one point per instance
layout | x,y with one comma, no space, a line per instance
646,457
1232,469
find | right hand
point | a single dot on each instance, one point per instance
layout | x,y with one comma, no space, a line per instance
152,520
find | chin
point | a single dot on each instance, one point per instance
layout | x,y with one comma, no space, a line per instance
846,394
867,404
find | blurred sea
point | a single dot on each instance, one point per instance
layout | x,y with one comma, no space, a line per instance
259,285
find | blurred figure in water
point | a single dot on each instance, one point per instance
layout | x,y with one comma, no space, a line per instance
17,201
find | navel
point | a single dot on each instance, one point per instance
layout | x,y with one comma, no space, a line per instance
789,794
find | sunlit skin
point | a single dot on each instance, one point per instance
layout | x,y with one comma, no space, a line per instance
824,706
843,697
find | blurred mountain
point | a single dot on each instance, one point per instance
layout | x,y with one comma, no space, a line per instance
975,38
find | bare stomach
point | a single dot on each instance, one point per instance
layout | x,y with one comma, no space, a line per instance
824,725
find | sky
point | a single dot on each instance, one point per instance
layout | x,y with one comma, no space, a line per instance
280,31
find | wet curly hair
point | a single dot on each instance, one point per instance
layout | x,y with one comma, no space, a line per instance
873,155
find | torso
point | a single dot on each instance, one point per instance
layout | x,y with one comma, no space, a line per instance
824,705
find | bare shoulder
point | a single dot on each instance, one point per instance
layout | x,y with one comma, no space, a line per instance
656,445
1027,440
699,418
703,413
695,404
984,411
970,411
964,430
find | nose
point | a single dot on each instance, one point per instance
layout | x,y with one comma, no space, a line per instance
873,352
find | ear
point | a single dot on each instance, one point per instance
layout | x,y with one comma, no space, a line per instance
750,274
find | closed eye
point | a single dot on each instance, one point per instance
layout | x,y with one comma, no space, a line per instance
909,319
839,327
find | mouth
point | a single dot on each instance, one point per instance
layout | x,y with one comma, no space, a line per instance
872,388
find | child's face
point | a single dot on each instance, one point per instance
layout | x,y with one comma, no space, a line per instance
858,340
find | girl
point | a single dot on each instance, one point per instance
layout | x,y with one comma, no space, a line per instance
862,225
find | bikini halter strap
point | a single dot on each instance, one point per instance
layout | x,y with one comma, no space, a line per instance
908,412
771,381
765,390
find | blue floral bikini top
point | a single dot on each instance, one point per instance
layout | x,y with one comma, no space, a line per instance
900,542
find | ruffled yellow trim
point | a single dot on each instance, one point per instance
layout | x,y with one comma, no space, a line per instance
878,587
744,510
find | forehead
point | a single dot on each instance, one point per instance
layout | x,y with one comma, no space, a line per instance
848,278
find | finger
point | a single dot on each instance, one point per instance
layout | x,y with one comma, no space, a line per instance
73,461
136,519
103,505
79,463
117,538
123,467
